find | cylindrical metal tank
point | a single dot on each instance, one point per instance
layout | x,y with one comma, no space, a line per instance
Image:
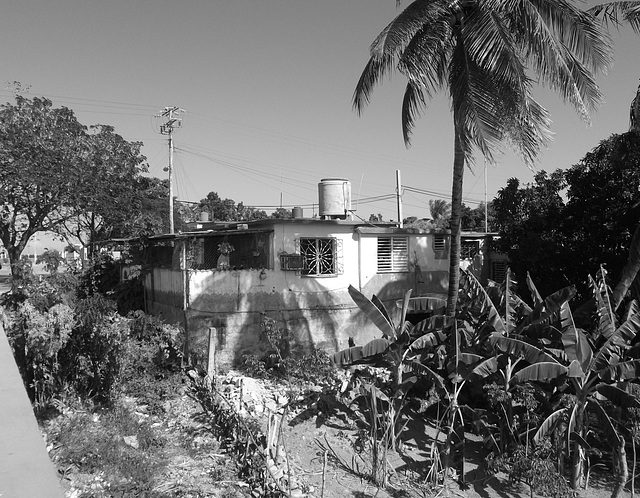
334,197
296,212
204,216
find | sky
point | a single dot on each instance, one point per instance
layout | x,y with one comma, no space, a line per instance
266,88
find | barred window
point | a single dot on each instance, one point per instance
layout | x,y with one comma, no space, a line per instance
393,254
469,248
319,256
499,270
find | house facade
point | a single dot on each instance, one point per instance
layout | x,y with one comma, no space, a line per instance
230,277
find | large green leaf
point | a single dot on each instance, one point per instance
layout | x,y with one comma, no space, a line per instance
347,357
424,371
617,342
549,424
576,344
373,312
369,353
482,299
630,270
380,305
519,349
606,318
605,423
535,295
546,312
405,305
619,397
426,342
625,370
485,368
540,372
436,322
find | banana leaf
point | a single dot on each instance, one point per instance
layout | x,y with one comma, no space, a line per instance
424,371
358,355
518,348
436,322
626,370
373,312
605,422
617,341
542,371
380,305
575,342
481,298
606,318
545,312
629,271
549,424
535,295
619,397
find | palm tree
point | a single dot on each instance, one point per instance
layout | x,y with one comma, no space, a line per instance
482,53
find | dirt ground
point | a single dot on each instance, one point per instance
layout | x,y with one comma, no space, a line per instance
308,432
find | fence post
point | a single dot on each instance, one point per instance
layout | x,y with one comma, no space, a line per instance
211,362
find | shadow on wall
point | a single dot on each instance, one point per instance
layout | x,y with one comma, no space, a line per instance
319,320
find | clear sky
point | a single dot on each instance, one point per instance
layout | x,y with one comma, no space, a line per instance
267,88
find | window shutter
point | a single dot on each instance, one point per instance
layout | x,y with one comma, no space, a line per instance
385,261
393,254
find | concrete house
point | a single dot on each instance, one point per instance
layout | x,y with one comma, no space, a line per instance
297,271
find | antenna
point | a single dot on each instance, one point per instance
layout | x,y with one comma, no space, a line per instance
171,121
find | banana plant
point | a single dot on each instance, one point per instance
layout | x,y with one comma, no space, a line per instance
393,351
595,364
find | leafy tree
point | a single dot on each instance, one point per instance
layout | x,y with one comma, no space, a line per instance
529,219
227,210
109,193
481,53
603,207
473,220
42,160
282,213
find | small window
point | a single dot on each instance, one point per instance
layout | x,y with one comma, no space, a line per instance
439,243
469,249
393,254
319,256
498,271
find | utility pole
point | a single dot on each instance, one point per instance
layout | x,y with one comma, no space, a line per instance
399,197
171,121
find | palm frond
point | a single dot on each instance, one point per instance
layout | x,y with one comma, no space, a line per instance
619,12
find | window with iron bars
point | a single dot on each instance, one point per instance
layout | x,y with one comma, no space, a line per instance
469,248
320,256
393,254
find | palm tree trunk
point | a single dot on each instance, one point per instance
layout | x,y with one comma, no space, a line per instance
456,215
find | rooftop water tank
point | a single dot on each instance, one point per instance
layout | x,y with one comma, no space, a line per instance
334,198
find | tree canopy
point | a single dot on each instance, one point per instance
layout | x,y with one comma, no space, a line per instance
58,176
564,225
